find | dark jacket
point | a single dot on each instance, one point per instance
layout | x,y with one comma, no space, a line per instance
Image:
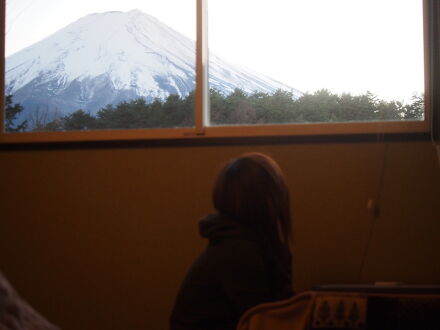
228,278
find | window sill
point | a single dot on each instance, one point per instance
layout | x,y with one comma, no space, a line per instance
221,135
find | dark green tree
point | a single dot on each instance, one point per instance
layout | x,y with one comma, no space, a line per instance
12,110
78,120
218,112
389,110
118,117
277,108
170,112
415,110
237,109
321,106
187,116
55,125
356,108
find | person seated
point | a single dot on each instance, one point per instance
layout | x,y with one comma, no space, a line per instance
248,259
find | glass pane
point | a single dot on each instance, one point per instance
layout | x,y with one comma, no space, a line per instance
301,61
103,64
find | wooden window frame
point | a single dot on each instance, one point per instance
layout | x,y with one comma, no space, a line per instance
202,130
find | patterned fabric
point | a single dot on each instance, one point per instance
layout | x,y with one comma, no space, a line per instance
347,311
339,313
289,314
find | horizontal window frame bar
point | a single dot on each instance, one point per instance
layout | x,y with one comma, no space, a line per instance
352,128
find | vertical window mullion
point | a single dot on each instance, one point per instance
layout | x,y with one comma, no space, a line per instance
2,66
201,110
432,69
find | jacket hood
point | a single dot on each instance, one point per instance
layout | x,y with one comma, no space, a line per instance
216,227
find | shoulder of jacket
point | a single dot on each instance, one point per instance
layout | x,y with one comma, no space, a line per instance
236,249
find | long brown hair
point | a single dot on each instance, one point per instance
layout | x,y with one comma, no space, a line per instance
252,190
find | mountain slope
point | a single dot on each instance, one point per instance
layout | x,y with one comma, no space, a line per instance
109,57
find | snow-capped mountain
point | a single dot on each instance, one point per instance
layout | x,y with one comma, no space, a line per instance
109,57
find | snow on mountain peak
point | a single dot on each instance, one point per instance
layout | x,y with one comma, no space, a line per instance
135,12
132,53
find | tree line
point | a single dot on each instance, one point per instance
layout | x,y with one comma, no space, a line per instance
236,108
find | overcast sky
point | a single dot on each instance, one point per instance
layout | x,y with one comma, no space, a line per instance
343,45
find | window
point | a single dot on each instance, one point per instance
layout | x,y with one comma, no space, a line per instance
324,61
81,65
273,68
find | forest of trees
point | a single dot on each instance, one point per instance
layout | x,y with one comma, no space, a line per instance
236,108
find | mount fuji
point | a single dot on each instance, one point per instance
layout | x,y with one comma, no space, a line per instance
106,58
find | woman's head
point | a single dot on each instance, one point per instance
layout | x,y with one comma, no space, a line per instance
252,190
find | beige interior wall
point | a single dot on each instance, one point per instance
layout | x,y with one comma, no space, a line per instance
100,239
